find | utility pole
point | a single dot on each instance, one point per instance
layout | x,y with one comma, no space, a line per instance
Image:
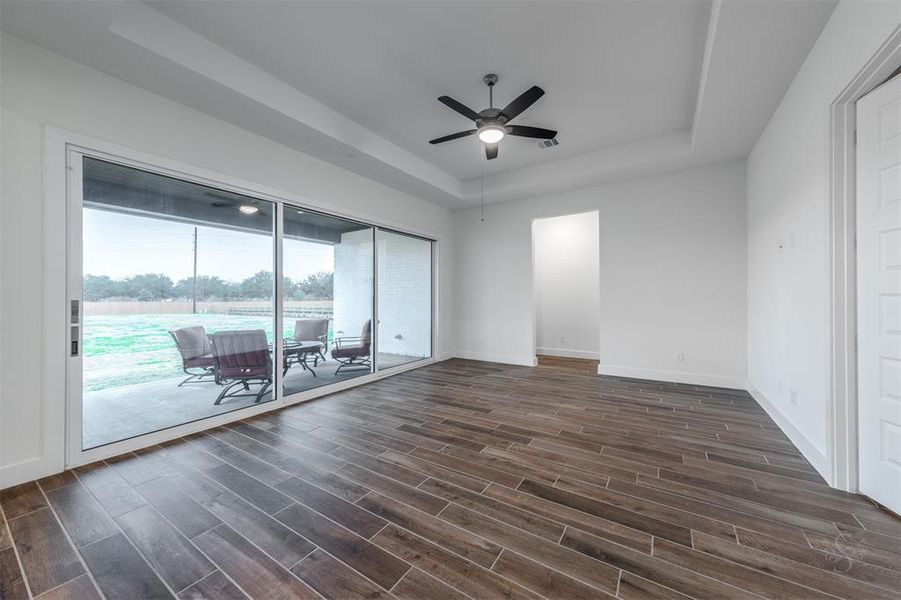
194,297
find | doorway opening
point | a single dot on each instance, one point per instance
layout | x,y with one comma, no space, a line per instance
566,290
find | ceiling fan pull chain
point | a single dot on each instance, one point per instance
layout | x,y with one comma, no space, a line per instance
482,204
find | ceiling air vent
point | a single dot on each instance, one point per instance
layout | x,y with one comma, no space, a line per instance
548,143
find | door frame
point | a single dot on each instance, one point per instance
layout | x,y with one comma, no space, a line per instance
534,281
842,259
61,449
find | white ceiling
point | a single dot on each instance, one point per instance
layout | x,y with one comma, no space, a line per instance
384,64
632,86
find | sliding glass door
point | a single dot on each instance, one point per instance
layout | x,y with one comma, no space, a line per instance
177,278
188,300
404,299
327,308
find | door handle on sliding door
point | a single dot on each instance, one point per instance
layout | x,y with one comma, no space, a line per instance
74,320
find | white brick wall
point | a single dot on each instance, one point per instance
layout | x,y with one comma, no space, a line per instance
405,290
353,282
405,295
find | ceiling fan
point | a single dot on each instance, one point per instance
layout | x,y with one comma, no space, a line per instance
492,123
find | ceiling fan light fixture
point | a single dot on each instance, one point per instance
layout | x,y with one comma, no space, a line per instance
491,134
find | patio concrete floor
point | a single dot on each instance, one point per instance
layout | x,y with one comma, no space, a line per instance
123,412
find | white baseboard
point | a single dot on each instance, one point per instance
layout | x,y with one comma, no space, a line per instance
814,455
23,471
675,376
569,353
507,359
447,355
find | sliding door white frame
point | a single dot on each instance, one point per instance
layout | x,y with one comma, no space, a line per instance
74,362
62,203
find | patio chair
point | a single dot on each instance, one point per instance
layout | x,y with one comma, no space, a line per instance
241,358
353,352
312,330
196,353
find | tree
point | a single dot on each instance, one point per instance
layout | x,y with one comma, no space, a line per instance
319,286
153,286
258,286
100,287
208,288
289,287
149,286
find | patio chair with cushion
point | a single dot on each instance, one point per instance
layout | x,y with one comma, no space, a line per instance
241,358
196,354
353,352
312,330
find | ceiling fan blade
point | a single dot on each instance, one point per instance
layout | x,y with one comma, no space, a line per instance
453,136
531,132
459,107
490,151
524,101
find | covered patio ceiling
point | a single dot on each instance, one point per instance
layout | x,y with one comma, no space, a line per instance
118,188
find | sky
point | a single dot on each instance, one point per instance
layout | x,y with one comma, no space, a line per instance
121,245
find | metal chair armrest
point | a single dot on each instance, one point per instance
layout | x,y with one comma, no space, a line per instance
338,341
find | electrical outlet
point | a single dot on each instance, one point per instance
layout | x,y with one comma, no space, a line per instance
680,357
780,245
562,339
793,397
779,387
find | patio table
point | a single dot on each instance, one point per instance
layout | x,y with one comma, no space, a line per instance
297,352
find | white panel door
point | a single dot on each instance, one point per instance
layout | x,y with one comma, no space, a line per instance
879,292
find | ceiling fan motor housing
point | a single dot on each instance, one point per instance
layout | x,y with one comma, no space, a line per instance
491,116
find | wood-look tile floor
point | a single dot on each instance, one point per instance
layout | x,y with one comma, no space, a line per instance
462,479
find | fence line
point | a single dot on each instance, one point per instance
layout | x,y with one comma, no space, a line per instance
294,308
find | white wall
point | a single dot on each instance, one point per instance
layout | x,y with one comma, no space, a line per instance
567,290
672,275
788,185
40,88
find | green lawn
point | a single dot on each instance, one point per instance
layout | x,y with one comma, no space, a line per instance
126,349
